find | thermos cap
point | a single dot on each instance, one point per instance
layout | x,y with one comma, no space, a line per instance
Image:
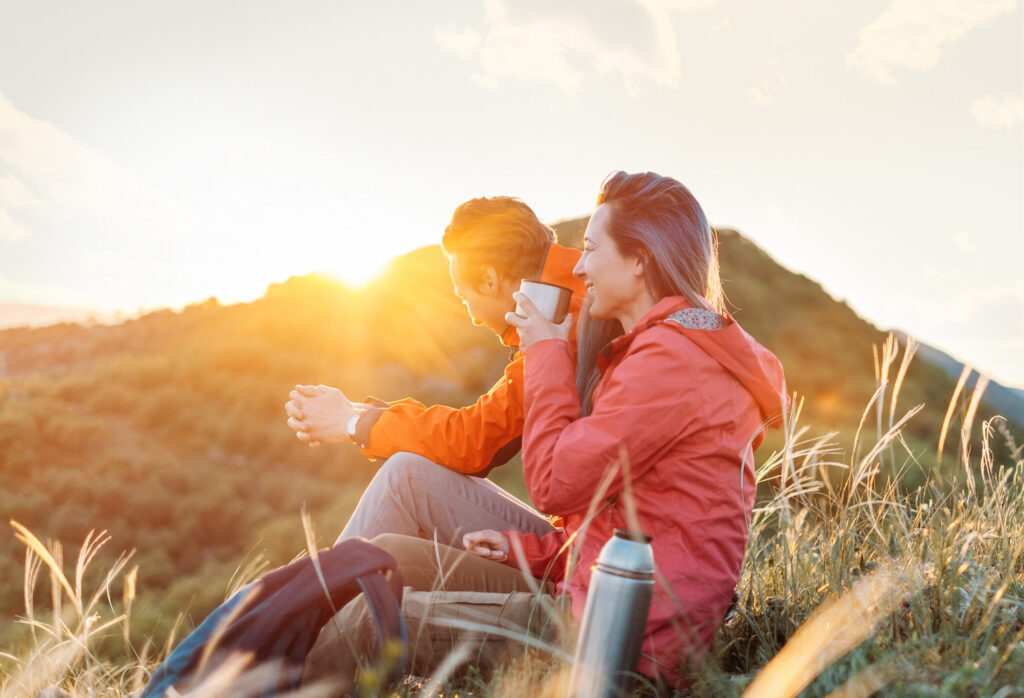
628,554
632,535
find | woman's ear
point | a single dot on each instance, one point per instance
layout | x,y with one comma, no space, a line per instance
641,265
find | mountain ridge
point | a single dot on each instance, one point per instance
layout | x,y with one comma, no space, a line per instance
14,315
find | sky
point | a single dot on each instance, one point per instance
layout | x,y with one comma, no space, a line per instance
158,154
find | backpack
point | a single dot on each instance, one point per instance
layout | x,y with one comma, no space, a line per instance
278,617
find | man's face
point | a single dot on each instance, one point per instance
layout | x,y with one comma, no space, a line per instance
486,301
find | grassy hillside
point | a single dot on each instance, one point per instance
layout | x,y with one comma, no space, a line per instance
168,431
853,590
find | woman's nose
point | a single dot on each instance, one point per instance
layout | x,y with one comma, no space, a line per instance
577,270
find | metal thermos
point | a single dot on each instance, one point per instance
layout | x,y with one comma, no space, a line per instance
614,618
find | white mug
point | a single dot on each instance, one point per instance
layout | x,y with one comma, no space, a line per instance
551,300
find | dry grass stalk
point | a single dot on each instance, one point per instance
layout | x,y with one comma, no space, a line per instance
845,622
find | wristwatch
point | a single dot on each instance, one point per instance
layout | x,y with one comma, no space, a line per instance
351,426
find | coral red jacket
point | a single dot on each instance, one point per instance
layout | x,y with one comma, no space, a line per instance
471,439
680,409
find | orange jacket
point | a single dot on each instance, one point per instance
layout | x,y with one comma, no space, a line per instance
471,439
683,400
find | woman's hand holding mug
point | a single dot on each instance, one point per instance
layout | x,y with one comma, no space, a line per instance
532,325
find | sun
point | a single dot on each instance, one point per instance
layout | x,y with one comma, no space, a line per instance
358,268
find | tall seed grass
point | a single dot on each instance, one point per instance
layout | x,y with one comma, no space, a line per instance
851,586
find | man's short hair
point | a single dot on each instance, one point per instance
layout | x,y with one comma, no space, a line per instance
499,231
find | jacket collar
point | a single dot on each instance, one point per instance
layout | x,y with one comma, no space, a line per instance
752,365
657,314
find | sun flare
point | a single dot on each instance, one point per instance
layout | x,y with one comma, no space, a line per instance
356,271
356,261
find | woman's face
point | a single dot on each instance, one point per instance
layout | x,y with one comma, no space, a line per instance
614,282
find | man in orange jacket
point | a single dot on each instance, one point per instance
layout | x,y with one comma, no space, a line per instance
433,481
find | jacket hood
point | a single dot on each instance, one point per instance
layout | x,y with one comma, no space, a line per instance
720,337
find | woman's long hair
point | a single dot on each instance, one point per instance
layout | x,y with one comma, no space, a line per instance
658,220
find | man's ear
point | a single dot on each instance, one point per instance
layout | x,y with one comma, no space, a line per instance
490,282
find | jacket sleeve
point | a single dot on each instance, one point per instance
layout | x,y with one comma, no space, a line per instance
645,402
469,440
544,556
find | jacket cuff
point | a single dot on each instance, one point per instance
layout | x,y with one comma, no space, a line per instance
513,559
550,346
366,421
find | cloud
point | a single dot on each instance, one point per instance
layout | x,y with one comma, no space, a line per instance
14,193
464,43
950,315
555,43
968,301
12,230
62,200
683,5
723,27
47,173
771,80
1001,113
963,242
910,34
33,294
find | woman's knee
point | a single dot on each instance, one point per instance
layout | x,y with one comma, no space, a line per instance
398,545
415,557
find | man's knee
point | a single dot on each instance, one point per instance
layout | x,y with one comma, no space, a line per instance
402,466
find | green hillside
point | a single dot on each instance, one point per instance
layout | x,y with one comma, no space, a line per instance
168,431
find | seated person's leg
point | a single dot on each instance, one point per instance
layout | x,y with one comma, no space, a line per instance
443,585
429,566
413,496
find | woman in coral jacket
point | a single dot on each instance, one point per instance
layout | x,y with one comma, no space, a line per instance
653,429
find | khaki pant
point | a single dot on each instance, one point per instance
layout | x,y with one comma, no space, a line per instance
459,610
415,496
